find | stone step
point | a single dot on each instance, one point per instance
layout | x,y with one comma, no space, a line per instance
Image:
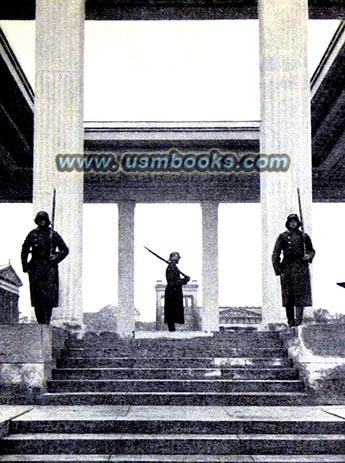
227,351
206,343
159,385
177,426
170,373
178,344
175,458
226,338
170,444
148,336
246,335
152,362
176,398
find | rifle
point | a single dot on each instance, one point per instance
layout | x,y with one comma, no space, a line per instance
302,224
164,260
52,224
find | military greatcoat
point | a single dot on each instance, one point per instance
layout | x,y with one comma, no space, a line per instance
293,270
43,271
173,300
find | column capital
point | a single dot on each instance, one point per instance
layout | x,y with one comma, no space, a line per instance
206,203
130,204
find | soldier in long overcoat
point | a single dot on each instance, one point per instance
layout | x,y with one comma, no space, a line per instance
47,250
173,299
294,269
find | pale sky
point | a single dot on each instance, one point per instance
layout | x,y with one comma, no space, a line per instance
169,70
175,70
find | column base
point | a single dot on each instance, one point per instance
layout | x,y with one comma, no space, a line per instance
75,328
126,334
277,326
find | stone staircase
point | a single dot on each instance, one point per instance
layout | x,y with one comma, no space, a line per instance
245,369
234,397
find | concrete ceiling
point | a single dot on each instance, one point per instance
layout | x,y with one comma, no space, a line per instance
328,142
171,9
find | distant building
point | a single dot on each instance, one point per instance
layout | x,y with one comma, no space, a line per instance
190,303
9,295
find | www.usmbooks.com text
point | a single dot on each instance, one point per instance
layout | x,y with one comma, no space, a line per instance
213,161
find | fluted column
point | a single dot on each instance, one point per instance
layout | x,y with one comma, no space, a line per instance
126,320
285,129
59,130
210,310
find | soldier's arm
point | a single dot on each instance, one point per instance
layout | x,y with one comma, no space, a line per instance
184,280
276,256
26,247
173,276
62,248
170,275
309,248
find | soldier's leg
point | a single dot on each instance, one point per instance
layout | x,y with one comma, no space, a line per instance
48,315
40,315
299,315
290,314
171,326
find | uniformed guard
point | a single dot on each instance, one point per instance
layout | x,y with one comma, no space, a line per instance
173,300
298,253
47,250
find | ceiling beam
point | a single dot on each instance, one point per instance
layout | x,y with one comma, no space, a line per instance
171,9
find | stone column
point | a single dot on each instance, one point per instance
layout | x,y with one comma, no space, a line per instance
160,290
126,322
59,129
210,310
285,128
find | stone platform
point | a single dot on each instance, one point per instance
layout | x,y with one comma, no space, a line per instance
173,434
230,397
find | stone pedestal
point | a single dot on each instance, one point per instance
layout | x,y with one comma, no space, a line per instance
126,320
210,312
27,356
318,351
285,129
59,130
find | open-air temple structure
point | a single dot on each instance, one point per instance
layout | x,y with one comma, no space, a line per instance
283,375
302,119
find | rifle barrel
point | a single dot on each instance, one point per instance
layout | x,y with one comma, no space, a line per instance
52,223
301,219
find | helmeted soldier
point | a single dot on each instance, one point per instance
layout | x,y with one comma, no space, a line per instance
173,300
298,253
47,250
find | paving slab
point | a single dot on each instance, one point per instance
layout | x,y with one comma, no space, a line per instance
188,413
299,458
178,458
269,413
55,458
133,458
80,412
165,413
9,412
172,335
185,458
336,410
